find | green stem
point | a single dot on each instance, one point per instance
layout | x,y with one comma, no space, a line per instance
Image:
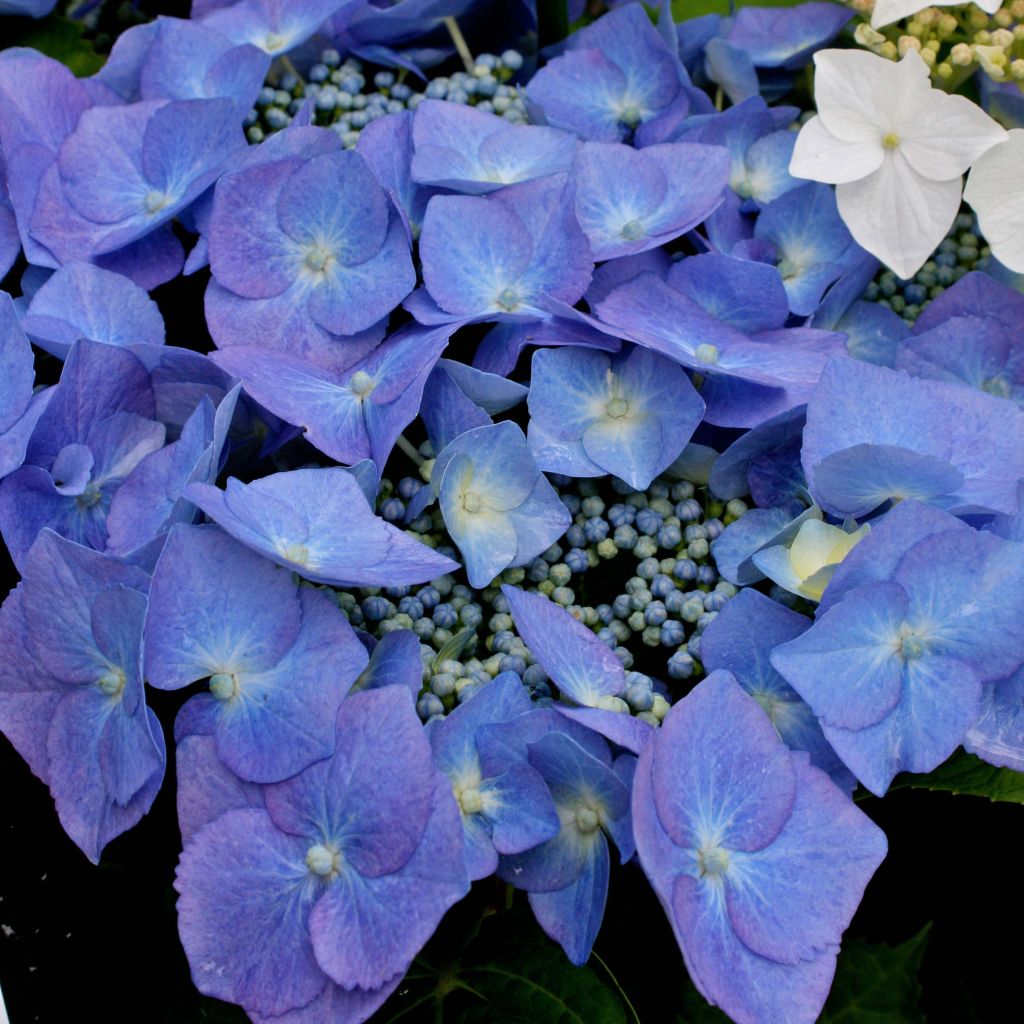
410,449
290,67
615,982
461,47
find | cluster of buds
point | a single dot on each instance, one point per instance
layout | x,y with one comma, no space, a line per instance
954,42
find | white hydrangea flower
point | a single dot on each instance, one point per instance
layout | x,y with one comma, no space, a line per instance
887,11
894,147
995,189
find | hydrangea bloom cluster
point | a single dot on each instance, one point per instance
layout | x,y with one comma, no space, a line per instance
562,476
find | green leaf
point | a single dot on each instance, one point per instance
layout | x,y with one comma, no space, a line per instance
968,775
60,38
520,977
684,9
877,984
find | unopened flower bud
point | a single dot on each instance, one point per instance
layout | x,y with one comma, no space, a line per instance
961,55
946,25
865,35
1003,18
1017,69
944,70
908,43
928,56
887,50
1002,37
984,37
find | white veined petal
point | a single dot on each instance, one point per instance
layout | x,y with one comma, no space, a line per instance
887,11
947,135
861,96
995,190
822,156
898,215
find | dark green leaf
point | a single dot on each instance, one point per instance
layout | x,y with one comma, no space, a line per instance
968,775
683,9
877,984
519,976
60,38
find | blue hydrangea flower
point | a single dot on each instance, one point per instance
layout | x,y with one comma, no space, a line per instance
497,505
764,462
630,200
386,144
275,26
126,170
71,694
497,258
997,736
352,415
873,435
813,247
322,899
475,152
740,640
566,876
279,660
629,415
321,230
458,398
588,675
96,428
81,300
150,500
175,59
616,76
748,378
503,813
18,410
757,858
318,523
10,240
894,664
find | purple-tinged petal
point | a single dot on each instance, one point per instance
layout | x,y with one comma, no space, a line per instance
395,661
740,799
317,522
281,719
215,607
572,916
243,914
82,300
998,734
368,928
581,666
206,788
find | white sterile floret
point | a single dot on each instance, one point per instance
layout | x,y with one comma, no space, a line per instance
995,189
894,147
885,12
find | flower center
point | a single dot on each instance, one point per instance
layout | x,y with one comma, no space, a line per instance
508,299
318,258
587,819
998,386
361,383
617,408
111,683
470,800
890,140
273,42
471,502
224,685
787,268
713,861
89,497
707,353
297,553
323,861
632,230
912,646
630,116
155,201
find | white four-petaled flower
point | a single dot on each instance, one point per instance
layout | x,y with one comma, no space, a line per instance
995,189
894,147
